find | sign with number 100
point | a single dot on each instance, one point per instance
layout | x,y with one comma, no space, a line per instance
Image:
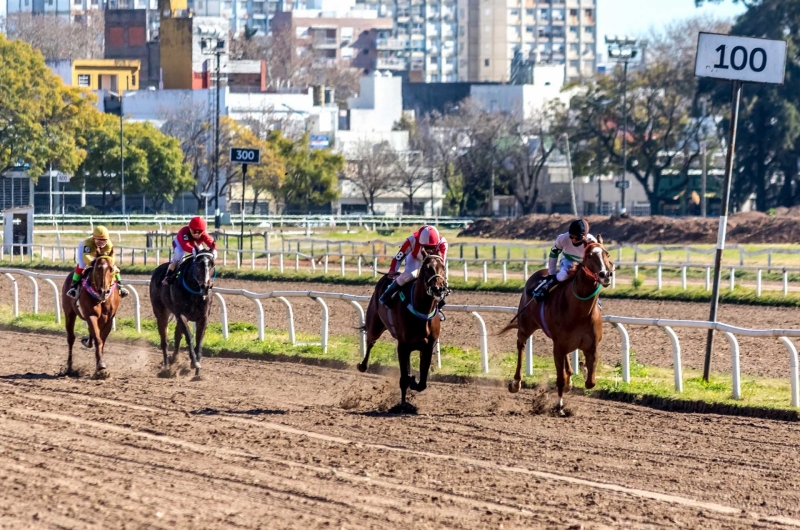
740,58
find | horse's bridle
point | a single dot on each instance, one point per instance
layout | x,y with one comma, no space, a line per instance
203,287
101,295
593,275
429,287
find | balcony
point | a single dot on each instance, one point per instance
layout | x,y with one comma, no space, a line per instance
391,44
325,43
324,62
391,63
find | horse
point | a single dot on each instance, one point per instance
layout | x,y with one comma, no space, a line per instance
570,316
97,304
189,299
413,321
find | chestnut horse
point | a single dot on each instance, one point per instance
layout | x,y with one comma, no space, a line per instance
569,315
97,304
412,320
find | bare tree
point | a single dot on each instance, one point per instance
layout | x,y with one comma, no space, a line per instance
58,37
370,169
192,124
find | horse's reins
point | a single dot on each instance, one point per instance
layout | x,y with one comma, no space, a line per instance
192,267
91,289
595,277
428,286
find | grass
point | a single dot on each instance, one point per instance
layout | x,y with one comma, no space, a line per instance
649,384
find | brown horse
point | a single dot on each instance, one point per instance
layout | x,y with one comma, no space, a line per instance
569,316
97,304
413,321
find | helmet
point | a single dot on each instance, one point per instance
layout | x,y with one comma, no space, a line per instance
100,232
579,228
428,236
197,223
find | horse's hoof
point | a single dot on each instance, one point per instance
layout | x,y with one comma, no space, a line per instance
562,413
362,367
101,374
513,386
86,342
585,373
193,365
412,383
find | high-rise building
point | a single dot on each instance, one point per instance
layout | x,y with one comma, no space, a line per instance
73,9
543,31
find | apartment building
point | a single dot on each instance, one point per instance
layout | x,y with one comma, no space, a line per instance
72,9
326,38
558,32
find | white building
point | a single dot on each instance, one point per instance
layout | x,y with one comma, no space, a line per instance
547,84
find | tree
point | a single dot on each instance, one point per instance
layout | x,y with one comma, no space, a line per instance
371,171
167,174
531,142
40,119
57,37
412,172
100,169
311,175
269,175
192,125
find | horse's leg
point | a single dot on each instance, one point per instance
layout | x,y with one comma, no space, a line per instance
105,331
590,366
178,336
404,357
523,334
202,322
94,336
187,330
568,370
162,321
374,328
425,356
560,358
69,321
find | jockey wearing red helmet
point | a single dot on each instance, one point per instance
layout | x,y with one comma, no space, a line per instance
426,238
191,238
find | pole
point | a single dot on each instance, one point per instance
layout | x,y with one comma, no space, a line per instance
51,187
599,181
217,218
121,154
244,178
736,97
624,134
571,181
703,181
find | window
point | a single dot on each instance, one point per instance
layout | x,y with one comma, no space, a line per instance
486,62
85,80
528,29
588,49
514,12
347,53
133,81
574,12
588,29
574,64
573,30
301,32
544,14
77,2
49,2
574,47
116,37
529,12
347,33
136,36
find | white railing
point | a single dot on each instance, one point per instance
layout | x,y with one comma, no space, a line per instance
475,310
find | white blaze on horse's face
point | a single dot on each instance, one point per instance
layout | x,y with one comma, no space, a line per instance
604,274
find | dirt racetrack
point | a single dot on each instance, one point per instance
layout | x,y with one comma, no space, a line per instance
270,445
765,357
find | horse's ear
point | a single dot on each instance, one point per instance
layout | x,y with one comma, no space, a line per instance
600,238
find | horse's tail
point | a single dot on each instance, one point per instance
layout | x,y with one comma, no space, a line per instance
511,325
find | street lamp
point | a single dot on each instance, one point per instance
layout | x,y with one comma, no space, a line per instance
214,44
623,49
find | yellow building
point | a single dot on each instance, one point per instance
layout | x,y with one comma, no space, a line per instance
106,74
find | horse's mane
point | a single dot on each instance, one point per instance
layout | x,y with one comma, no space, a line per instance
589,247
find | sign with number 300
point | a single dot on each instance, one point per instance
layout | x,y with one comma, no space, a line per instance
740,58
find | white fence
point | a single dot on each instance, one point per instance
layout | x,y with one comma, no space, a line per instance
474,310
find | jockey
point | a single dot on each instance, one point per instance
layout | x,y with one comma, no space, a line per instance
427,238
90,249
189,239
571,248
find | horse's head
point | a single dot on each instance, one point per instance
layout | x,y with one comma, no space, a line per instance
202,271
102,279
597,263
432,274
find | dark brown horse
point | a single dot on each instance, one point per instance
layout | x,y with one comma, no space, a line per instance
97,304
413,321
189,299
569,316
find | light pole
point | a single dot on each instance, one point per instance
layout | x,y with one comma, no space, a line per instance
120,96
214,44
623,49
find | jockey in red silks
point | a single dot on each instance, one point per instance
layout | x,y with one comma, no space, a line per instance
426,238
190,239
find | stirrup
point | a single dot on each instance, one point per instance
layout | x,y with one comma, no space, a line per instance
73,292
123,292
441,316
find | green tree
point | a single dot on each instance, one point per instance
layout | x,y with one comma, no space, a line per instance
167,174
100,169
40,119
311,174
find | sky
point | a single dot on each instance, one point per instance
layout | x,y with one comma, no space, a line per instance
636,17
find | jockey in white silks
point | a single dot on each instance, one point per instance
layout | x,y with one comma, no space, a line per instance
571,247
426,238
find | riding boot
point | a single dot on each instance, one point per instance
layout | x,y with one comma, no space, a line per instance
169,277
73,290
441,313
123,292
541,290
388,296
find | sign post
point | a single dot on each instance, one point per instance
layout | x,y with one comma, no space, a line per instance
244,156
741,60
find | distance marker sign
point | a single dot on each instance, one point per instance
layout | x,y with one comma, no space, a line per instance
740,58
241,155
